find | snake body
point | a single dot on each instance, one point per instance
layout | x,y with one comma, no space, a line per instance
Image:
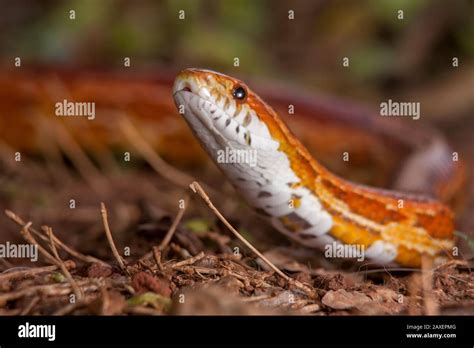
300,197
286,184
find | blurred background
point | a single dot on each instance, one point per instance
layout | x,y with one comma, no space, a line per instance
409,59
387,55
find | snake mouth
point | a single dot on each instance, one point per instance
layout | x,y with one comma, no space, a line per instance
182,85
184,89
184,96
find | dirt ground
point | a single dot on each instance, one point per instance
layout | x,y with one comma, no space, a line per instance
184,261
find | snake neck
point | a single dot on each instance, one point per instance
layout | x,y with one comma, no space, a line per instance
318,208
302,198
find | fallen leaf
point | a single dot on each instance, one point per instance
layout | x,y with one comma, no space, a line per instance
150,299
98,270
198,226
143,282
58,277
341,299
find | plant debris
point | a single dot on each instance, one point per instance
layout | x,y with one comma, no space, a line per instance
131,257
220,283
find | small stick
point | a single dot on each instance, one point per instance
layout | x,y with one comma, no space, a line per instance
103,212
146,151
30,305
85,258
157,257
386,270
203,270
55,289
76,254
29,238
461,280
431,307
75,287
189,261
174,225
199,190
105,298
27,272
83,164
256,298
167,171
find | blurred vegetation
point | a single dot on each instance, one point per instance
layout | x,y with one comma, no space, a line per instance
386,54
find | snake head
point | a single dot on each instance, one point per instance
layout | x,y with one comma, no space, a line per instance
226,115
234,126
223,111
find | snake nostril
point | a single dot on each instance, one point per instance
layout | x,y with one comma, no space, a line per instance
186,89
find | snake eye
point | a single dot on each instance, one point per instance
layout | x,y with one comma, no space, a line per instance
239,93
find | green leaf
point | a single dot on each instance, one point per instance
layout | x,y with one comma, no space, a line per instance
150,299
58,277
198,226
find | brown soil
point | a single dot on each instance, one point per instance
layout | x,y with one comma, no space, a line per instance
203,269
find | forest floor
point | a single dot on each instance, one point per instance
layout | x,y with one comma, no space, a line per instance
154,250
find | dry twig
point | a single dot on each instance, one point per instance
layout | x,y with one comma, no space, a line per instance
81,161
54,289
32,271
103,212
157,257
75,287
157,163
30,239
200,191
431,307
30,305
174,225
76,254
167,171
85,258
189,261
